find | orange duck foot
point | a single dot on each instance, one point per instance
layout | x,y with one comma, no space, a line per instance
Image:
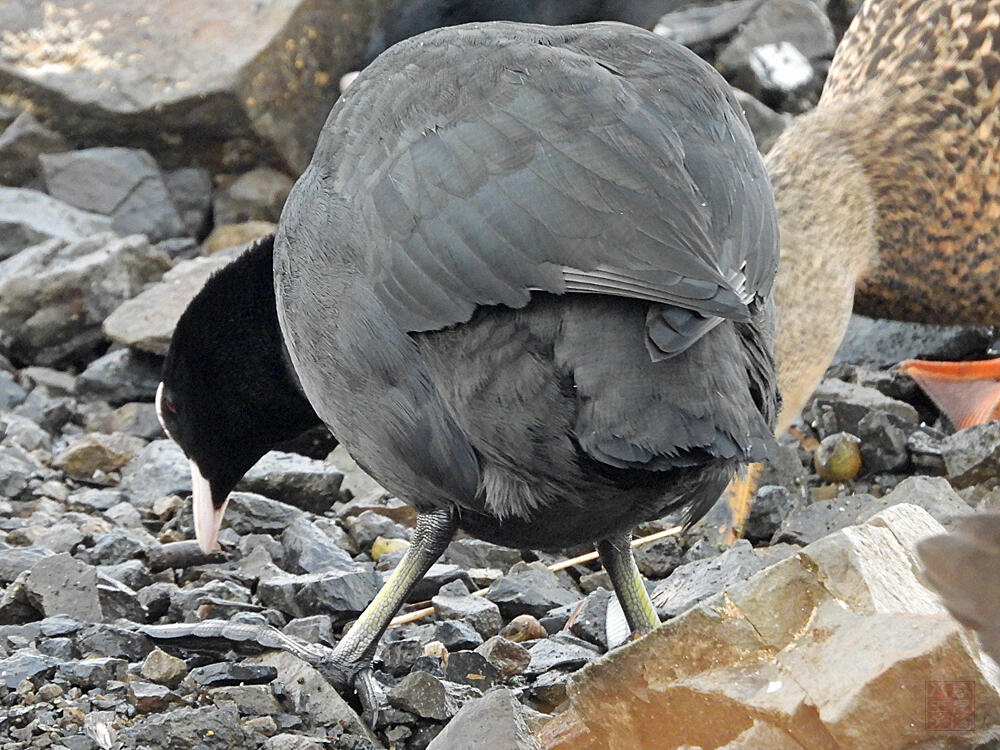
967,393
739,494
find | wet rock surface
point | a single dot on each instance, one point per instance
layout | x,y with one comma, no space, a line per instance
116,205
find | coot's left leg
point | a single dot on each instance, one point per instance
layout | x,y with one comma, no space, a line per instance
353,655
616,554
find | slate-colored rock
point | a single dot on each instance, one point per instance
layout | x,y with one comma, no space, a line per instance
119,376
112,640
303,482
250,513
119,601
704,23
308,550
252,700
837,406
29,217
54,296
159,469
934,494
254,84
25,664
508,657
258,194
885,343
136,419
657,559
813,521
209,727
312,629
883,443
21,143
190,190
11,392
146,321
455,602
694,581
529,588
16,560
227,673
339,594
148,697
590,622
59,584
495,721
560,652
123,183
972,455
424,695
366,527
457,635
91,673
475,553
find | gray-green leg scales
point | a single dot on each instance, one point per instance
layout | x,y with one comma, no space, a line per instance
616,555
353,655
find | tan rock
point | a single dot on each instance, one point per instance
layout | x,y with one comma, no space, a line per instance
225,236
838,647
95,451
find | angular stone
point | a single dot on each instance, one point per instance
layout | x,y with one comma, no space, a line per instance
694,581
495,721
111,640
11,394
159,469
972,456
16,560
253,700
884,343
810,522
480,613
475,553
162,668
796,22
309,550
705,23
60,584
91,673
339,594
529,588
837,406
25,664
424,695
294,742
148,697
313,629
303,482
456,635
190,190
16,469
28,217
255,83
209,727
227,673
769,507
258,194
362,488
659,558
54,296
86,454
119,376
933,494
147,320
119,601
367,526
562,651
250,513
508,657
591,621
123,183
310,695
20,146
883,443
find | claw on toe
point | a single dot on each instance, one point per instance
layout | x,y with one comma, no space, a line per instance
372,696
739,495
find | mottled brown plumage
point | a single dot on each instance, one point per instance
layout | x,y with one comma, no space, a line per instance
891,186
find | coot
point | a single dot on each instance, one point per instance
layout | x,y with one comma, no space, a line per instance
525,280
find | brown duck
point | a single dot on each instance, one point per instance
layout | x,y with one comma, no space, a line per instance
888,196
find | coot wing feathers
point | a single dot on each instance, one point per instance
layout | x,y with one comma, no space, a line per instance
578,159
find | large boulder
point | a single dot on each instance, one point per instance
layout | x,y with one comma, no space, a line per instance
839,646
225,83
28,217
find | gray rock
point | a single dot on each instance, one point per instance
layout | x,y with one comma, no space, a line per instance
16,469
883,442
771,504
112,640
16,560
837,406
926,446
134,418
456,635
148,697
28,217
49,412
303,482
313,629
796,22
255,83
20,146
26,664
209,727
471,668
156,598
228,673
146,321
23,432
972,456
252,700
249,513
11,393
365,527
933,494
92,500
455,603
308,550
184,603
884,343
590,622
694,581
54,296
437,576
190,190
702,24
657,559
808,523
561,651
62,649
59,584
529,588
123,183
119,376
294,742
255,195
92,673
475,553
397,657
424,695
159,469
119,601
336,593
765,123
495,721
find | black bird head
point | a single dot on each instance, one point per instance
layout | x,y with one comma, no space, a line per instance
228,392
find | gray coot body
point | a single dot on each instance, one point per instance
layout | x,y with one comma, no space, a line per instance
525,280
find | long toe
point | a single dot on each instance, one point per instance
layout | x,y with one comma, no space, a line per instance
968,393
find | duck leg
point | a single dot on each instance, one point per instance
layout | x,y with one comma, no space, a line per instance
616,555
353,655
967,393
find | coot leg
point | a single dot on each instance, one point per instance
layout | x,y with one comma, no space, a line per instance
356,649
616,554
